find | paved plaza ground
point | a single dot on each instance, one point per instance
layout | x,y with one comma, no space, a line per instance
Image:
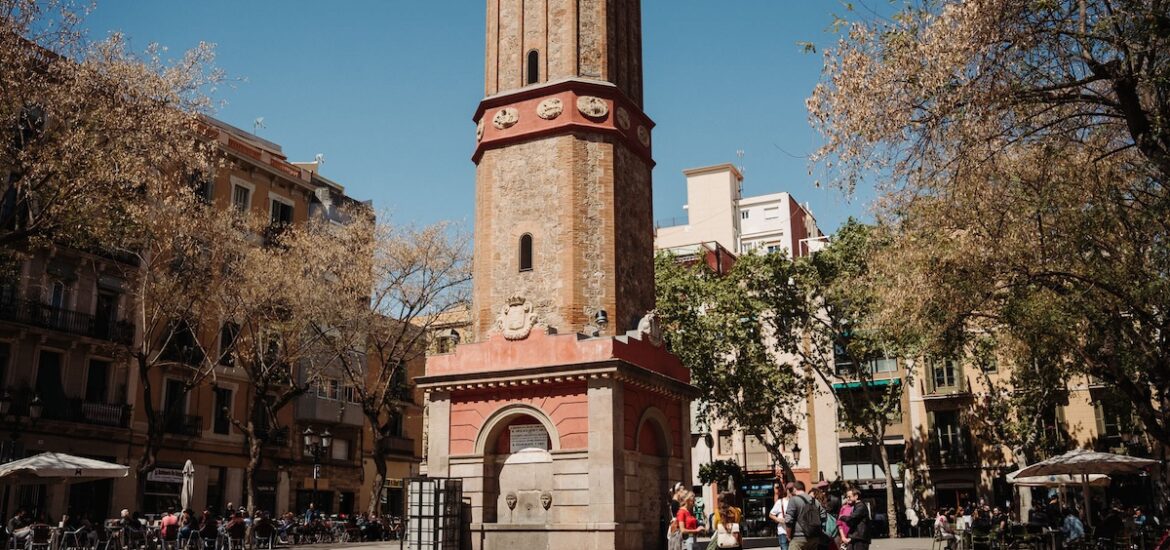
880,544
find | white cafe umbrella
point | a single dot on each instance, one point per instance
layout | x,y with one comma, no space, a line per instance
188,485
59,466
1056,480
1085,463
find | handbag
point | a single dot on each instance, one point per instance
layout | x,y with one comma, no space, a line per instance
725,537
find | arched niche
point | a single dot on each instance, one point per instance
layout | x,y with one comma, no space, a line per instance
496,427
654,451
515,477
653,436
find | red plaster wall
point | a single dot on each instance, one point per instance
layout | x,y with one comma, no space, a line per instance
567,405
637,402
796,215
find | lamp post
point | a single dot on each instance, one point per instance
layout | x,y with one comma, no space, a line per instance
17,419
317,445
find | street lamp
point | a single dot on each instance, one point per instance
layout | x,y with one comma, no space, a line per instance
317,445
795,454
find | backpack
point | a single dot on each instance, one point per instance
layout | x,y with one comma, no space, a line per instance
809,519
831,526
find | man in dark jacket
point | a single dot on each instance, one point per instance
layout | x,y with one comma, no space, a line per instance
858,521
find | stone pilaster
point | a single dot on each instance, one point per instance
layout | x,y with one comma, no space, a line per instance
439,438
606,433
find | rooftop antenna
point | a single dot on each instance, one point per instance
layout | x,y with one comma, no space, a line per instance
257,125
739,154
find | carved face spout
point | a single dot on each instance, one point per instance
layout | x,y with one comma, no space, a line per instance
510,500
546,500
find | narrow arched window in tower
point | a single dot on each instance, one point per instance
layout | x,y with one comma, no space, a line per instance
526,252
533,66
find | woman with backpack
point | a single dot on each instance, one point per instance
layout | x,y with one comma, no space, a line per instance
725,532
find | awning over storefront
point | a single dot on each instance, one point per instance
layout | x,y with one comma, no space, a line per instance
878,383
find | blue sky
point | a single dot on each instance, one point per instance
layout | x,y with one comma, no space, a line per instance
386,90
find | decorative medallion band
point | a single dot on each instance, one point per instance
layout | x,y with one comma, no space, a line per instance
558,108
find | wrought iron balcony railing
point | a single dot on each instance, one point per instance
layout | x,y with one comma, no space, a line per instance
35,313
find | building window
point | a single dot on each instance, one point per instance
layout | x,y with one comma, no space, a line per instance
944,373
340,449
5,355
772,213
863,463
241,198
743,214
49,386
884,364
97,381
726,446
200,183
222,413
58,294
950,443
526,252
533,67
282,213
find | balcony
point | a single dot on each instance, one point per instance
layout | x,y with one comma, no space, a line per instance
184,425
37,314
957,453
396,445
87,412
310,408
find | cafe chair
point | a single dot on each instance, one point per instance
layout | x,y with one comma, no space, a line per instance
76,539
39,537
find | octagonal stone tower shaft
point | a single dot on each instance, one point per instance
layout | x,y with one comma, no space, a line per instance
563,189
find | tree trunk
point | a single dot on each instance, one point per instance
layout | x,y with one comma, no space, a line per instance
254,448
149,457
378,483
1025,493
891,507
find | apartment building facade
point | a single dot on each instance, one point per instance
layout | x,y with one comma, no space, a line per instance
63,310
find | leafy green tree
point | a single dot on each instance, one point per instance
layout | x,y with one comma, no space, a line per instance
1022,151
758,337
712,322
819,308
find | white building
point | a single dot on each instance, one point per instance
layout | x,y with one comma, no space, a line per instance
718,212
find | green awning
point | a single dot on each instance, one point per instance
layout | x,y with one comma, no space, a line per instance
878,383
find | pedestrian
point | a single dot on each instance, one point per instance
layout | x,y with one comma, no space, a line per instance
804,520
842,525
688,525
857,521
1072,529
725,531
776,514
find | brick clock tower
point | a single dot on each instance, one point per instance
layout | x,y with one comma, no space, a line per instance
566,418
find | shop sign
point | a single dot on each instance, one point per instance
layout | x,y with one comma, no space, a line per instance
528,436
166,475
394,483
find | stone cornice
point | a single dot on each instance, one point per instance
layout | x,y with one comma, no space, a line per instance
560,107
620,371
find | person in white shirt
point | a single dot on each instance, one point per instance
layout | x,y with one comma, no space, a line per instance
776,514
